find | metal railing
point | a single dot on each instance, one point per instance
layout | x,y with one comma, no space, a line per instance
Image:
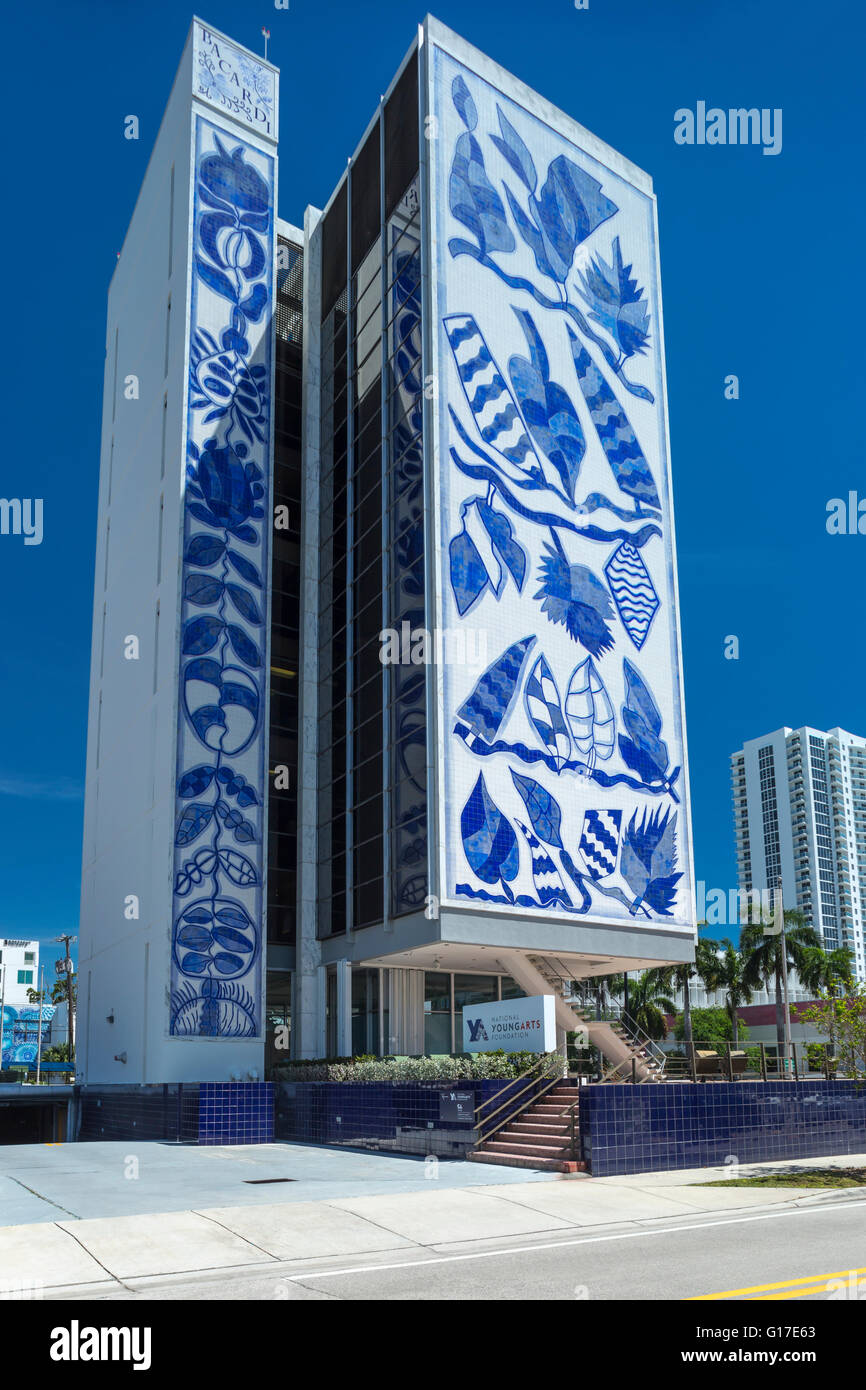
641,1039
570,1115
546,1072
644,1048
717,1061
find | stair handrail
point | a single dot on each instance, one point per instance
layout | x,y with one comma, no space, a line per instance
568,1114
637,1037
642,1039
540,1066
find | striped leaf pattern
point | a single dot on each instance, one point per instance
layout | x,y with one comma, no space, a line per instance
490,400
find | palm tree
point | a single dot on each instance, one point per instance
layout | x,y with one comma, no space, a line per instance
826,970
598,990
729,975
679,977
763,955
648,1004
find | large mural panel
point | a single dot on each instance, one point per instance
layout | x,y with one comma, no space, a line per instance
222,735
562,763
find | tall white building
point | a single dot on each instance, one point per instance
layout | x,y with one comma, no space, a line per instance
282,827
800,811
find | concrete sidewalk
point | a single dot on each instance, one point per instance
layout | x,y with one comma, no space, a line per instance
111,1257
50,1182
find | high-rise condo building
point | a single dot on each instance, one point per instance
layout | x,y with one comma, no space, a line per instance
800,814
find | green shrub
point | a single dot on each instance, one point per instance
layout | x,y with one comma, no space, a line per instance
478,1065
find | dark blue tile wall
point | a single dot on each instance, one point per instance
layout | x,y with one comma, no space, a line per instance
399,1116
235,1112
643,1129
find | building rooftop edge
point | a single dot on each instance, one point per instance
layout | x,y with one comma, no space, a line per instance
491,71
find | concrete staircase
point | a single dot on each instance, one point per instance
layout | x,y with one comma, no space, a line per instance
622,1052
540,1136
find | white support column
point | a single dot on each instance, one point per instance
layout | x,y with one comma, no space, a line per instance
344,1008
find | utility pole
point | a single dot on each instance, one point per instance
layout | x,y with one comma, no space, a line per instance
39,1035
780,908
67,968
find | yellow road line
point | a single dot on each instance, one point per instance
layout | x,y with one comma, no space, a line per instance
785,1284
791,1293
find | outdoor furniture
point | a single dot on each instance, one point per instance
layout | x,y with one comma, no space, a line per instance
738,1063
707,1063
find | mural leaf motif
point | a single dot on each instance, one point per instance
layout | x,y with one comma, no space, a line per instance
489,842
642,749
196,781
616,302
469,577
544,709
486,709
543,809
547,408
546,878
471,196
633,591
202,589
589,712
622,450
245,568
648,859
194,820
201,635
599,842
244,603
570,207
244,647
507,549
204,550
574,596
512,148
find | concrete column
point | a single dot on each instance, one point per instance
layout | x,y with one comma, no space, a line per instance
308,1020
319,1033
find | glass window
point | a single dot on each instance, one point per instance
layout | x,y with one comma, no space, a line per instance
473,989
25,977
511,989
437,1013
278,1017
365,1012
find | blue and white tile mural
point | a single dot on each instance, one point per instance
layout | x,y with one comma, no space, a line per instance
20,1034
562,763
219,858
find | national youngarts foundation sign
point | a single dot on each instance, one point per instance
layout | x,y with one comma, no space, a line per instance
514,1025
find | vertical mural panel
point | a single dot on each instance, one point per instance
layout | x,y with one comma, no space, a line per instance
221,790
406,520
563,786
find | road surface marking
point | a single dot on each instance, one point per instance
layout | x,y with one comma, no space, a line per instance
815,1281
557,1245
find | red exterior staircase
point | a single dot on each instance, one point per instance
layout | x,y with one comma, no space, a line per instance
538,1137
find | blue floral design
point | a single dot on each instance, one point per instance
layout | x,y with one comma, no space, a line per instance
218,839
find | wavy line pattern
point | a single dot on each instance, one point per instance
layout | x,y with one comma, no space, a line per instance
633,592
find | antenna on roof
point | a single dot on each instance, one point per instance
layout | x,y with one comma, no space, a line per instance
267,34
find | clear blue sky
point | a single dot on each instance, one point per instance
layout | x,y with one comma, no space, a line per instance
762,275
